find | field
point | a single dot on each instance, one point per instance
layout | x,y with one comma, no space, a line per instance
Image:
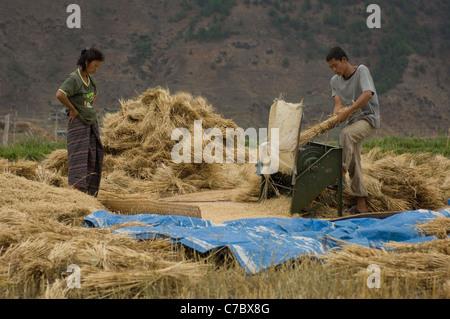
42,233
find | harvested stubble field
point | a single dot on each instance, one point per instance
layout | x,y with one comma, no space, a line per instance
41,220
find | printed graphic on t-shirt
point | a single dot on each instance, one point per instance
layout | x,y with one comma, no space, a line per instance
89,99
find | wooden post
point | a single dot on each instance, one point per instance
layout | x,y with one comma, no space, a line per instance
56,126
6,131
14,127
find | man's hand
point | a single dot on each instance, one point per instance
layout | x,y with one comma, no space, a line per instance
343,115
332,125
338,107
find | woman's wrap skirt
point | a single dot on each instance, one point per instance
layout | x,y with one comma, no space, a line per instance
85,156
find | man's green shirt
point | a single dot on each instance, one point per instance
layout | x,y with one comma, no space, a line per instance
81,95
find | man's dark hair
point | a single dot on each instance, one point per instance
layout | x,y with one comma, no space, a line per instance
336,53
89,55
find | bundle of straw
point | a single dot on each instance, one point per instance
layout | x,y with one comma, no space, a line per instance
20,167
405,182
425,264
311,133
61,204
439,227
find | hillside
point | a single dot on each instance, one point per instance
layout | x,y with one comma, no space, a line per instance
238,54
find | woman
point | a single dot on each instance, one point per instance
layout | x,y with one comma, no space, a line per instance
85,151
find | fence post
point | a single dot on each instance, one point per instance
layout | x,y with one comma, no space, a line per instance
6,131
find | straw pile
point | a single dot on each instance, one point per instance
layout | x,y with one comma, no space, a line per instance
439,227
51,171
20,167
424,265
39,239
138,144
405,182
394,183
60,204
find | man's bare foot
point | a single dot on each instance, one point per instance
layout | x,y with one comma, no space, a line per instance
361,204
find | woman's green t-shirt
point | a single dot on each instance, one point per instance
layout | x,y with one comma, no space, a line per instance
81,95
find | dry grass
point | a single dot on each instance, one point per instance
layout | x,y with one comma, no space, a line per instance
39,241
406,182
41,235
20,167
60,204
424,266
439,227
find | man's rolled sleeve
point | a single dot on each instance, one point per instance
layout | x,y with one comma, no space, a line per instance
366,81
333,90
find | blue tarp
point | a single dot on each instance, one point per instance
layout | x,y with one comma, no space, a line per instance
260,243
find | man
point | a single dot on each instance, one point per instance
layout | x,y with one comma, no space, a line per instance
356,103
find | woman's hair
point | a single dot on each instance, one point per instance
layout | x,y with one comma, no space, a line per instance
336,53
89,55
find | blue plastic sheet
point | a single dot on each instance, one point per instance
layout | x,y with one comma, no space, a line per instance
260,243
